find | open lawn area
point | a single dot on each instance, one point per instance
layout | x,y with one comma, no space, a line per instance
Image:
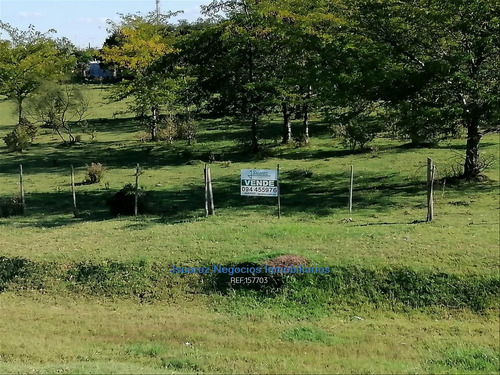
94,293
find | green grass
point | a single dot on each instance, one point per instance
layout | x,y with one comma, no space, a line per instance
310,334
45,333
467,361
72,306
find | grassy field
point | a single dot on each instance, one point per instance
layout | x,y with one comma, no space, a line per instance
75,335
52,325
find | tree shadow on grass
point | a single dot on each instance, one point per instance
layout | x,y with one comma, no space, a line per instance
316,195
441,146
117,125
58,157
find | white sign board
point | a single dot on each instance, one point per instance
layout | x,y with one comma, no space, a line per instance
259,182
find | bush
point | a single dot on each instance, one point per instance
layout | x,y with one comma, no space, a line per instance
30,129
173,128
123,202
358,134
187,130
301,141
11,207
167,130
426,126
13,269
18,140
357,125
95,173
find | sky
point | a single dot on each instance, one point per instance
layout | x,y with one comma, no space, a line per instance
84,21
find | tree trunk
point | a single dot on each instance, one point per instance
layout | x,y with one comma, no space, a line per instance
154,124
255,140
287,125
253,106
305,110
20,109
471,167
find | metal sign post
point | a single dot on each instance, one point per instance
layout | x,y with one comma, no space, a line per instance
279,190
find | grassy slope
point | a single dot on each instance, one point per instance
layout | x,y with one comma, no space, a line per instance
389,205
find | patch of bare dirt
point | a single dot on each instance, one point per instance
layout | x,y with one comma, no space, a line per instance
287,261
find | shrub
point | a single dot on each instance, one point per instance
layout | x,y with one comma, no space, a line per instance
17,140
425,126
173,128
167,130
95,173
358,133
22,274
357,125
123,202
301,141
187,129
30,129
11,207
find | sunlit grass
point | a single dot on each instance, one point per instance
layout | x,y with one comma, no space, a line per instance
71,332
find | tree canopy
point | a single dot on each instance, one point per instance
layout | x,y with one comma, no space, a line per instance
423,70
28,60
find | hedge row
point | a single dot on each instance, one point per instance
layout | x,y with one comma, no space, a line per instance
343,285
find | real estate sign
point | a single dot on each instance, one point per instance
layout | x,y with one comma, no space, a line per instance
259,182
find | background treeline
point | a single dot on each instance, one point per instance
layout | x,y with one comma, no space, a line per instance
422,70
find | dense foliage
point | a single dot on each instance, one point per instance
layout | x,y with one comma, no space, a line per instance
423,70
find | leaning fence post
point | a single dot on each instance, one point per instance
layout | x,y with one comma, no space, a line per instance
205,176
210,192
431,168
21,187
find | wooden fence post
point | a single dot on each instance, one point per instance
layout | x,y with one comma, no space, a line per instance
136,201
73,191
430,189
205,175
210,193
351,190
21,187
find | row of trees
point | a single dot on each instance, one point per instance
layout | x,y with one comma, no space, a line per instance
425,69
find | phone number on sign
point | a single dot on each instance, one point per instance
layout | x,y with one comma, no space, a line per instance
258,189
249,280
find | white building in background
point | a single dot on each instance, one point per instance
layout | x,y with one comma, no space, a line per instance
95,71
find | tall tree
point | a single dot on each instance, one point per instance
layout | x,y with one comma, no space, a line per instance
313,43
231,58
444,63
27,60
139,43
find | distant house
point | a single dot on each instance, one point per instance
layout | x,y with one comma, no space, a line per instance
96,71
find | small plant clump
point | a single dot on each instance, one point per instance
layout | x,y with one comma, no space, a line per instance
22,136
123,202
11,207
95,173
